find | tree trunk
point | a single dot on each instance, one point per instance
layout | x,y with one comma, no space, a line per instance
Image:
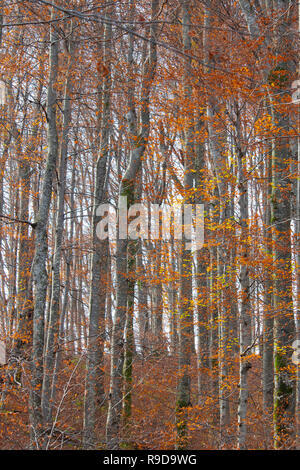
268,372
94,392
245,318
186,314
40,276
53,324
127,190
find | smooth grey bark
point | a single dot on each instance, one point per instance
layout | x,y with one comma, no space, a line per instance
69,264
53,323
132,248
268,320
127,189
40,276
212,278
234,311
109,299
213,322
185,320
157,294
284,324
143,312
173,303
202,260
250,17
94,387
220,255
223,360
158,247
245,317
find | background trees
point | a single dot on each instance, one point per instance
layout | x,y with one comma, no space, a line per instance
142,343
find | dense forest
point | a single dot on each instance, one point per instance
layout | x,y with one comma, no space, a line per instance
124,330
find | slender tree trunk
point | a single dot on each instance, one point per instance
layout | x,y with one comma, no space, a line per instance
245,318
40,276
186,320
268,369
202,257
213,325
157,312
173,303
53,324
284,324
127,190
94,392
65,300
129,337
219,255
143,313
223,347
